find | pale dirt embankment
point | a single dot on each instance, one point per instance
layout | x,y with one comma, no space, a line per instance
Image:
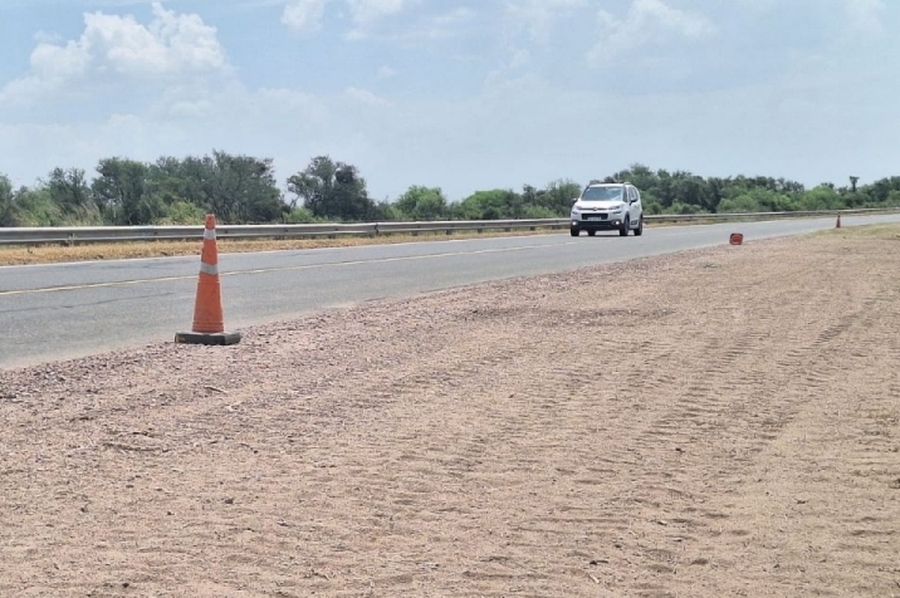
723,422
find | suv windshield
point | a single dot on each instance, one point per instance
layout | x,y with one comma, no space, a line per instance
602,193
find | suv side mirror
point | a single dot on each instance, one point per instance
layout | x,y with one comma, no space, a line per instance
574,199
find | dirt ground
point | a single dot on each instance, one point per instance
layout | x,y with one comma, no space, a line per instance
724,422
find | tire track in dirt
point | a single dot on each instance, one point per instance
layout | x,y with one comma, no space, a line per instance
720,405
704,424
697,402
824,367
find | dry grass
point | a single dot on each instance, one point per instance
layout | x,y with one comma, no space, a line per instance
45,254
873,231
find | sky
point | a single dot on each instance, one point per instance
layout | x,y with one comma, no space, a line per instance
464,95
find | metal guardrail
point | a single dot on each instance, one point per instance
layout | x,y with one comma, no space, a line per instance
111,234
743,216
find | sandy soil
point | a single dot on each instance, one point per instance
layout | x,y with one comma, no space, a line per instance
715,423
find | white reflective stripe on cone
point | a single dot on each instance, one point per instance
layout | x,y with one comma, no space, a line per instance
209,234
210,269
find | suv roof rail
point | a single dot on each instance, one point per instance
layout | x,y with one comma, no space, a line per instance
605,182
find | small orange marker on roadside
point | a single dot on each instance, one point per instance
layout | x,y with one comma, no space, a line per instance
209,322
838,223
736,238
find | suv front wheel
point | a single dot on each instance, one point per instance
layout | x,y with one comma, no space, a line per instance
623,230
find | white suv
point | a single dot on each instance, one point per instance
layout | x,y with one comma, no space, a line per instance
607,206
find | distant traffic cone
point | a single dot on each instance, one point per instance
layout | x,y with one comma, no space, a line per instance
736,238
209,323
838,223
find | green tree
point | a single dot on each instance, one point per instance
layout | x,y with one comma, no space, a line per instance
182,212
423,203
8,208
689,189
496,204
883,192
823,197
298,215
69,190
387,211
237,189
663,191
553,201
739,205
638,175
760,199
172,180
121,191
34,207
332,190
246,189
683,208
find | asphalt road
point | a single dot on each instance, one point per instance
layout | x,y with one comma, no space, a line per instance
60,311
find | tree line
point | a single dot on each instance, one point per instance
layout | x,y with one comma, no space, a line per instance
244,190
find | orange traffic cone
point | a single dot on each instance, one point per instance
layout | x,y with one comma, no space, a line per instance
209,324
838,223
736,238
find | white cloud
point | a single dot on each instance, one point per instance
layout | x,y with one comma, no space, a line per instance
442,25
865,16
386,72
647,22
428,28
366,97
170,44
51,67
528,32
367,13
539,16
294,125
365,16
304,16
190,108
520,58
56,62
116,48
455,16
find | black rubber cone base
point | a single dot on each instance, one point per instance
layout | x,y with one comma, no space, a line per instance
197,338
